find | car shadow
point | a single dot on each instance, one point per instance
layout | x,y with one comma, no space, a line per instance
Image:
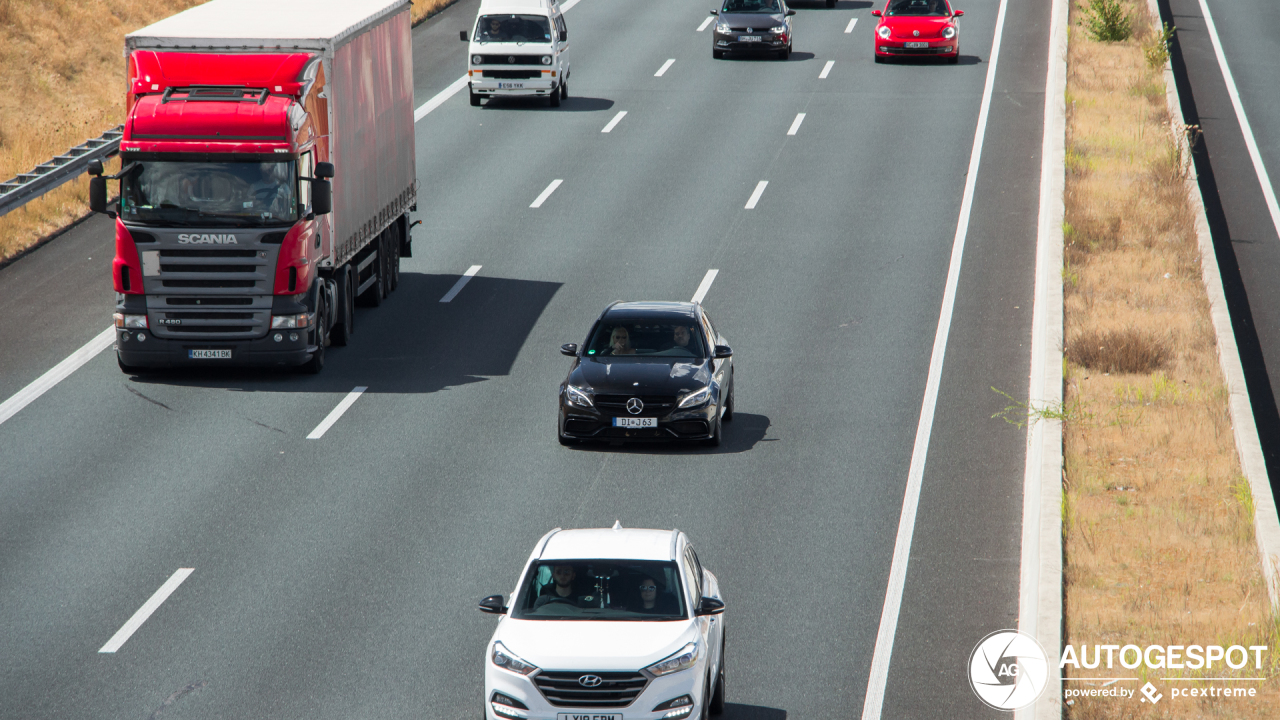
413,343
571,104
738,711
822,5
962,60
767,57
737,436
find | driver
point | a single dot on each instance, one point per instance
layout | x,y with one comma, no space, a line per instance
270,191
680,337
561,589
494,30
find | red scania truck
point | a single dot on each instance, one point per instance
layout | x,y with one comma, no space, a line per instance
267,173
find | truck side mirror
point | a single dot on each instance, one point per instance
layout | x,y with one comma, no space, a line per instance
98,193
462,35
324,170
321,197
95,167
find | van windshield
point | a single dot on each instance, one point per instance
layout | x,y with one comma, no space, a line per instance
513,28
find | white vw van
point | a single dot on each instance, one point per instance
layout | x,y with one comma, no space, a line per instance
518,47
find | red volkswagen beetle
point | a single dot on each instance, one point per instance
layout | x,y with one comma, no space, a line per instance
917,28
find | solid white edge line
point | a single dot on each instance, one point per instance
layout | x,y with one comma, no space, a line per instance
56,374
755,195
795,124
614,122
336,413
705,285
1268,192
537,203
144,612
705,23
664,67
462,282
1040,563
879,675
849,28
826,69
1248,445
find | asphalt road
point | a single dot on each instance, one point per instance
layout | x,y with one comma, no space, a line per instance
337,578
1244,235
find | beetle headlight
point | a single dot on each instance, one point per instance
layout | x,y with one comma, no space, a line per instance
695,398
683,659
883,31
949,32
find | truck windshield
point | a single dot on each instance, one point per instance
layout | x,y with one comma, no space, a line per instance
513,28
210,193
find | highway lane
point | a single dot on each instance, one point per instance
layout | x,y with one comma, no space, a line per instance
1244,234
337,577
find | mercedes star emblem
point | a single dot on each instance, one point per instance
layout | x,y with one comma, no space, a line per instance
634,406
590,681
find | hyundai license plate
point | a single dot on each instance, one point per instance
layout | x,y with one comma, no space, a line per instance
917,45
748,38
634,423
588,716
209,354
510,86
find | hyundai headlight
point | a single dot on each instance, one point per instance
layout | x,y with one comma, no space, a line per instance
477,60
683,659
507,660
883,31
778,30
578,396
949,32
695,398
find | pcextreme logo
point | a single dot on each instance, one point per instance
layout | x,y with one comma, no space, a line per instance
193,239
1008,670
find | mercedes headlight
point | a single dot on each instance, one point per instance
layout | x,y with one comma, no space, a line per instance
477,60
578,396
695,398
507,660
683,659
949,32
883,31
546,59
778,30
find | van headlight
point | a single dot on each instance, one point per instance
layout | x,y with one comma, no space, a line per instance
546,59
477,60
683,659
695,398
507,660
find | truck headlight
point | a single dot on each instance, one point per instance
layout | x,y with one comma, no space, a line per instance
130,321
289,322
695,398
507,660
683,659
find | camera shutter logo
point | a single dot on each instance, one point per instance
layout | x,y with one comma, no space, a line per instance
1008,670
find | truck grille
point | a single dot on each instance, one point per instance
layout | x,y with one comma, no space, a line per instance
616,690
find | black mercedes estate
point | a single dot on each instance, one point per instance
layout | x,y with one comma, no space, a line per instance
648,371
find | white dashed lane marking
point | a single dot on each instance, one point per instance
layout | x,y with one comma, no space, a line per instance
755,196
664,67
462,282
795,124
613,123
705,23
144,612
546,193
849,28
337,412
826,70
705,285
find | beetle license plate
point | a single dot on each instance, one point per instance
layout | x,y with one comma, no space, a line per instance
917,45
209,354
748,38
510,86
635,423
588,716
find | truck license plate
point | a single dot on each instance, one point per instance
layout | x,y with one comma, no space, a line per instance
510,86
635,422
209,354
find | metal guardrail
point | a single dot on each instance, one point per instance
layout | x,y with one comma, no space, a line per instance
28,186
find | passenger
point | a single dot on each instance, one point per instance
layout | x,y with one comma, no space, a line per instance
620,342
562,586
653,602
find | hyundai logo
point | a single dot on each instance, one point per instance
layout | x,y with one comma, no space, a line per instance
590,681
634,406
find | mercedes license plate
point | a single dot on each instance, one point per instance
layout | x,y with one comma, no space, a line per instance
510,86
917,45
748,38
209,354
588,716
634,423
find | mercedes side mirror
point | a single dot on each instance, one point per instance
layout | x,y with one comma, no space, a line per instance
709,606
957,13
324,170
462,35
875,13
98,191
791,12
723,351
321,197
570,349
493,605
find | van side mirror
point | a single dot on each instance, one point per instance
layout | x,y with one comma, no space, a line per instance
321,197
98,192
564,35
570,349
324,170
723,351
493,605
709,606
462,35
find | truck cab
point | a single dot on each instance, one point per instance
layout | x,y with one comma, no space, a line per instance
518,48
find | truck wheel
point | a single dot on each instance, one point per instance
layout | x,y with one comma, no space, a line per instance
345,309
475,99
316,363
555,98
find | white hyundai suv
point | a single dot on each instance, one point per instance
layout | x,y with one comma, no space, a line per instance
608,624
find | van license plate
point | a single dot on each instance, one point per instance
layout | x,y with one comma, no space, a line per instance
916,45
588,716
209,354
748,38
510,86
635,422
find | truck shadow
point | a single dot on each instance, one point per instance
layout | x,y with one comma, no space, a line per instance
413,343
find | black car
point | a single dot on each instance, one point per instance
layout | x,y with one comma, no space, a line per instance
754,26
648,371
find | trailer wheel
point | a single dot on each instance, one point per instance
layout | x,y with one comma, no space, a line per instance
346,310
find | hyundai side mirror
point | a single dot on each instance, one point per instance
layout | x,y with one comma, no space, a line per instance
324,170
493,605
957,13
462,35
709,606
875,13
791,12
570,349
321,197
723,352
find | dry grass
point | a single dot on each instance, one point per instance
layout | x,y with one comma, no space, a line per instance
1157,521
62,83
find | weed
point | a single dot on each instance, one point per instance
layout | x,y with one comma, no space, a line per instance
1020,414
1106,21
1156,50
1128,350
